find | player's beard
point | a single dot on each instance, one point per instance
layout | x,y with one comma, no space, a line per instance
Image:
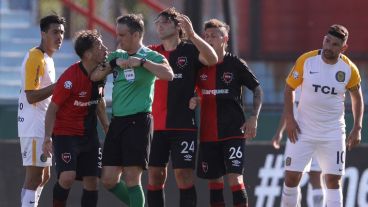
329,55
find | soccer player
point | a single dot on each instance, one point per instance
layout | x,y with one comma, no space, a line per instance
314,171
37,84
71,120
127,143
223,127
324,76
175,131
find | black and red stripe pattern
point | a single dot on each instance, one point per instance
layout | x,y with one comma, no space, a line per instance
170,104
219,87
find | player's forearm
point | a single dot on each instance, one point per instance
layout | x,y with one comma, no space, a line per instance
288,103
101,114
357,108
257,101
100,72
162,71
207,54
34,96
50,119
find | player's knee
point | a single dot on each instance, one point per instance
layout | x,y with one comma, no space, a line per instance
184,175
333,181
292,179
235,179
108,182
156,176
66,179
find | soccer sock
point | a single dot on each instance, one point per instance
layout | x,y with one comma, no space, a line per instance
290,196
60,195
216,195
317,197
333,197
38,194
155,196
29,198
22,194
89,198
240,198
188,197
136,196
121,192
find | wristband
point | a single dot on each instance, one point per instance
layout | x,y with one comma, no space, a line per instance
143,60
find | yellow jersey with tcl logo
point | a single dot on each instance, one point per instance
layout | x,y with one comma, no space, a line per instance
37,72
323,87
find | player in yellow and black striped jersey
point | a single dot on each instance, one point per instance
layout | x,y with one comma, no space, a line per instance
324,77
37,83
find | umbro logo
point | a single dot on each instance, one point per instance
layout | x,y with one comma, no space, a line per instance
313,72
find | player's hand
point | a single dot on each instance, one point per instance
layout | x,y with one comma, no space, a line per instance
47,147
186,25
193,102
131,62
276,139
292,129
354,138
250,127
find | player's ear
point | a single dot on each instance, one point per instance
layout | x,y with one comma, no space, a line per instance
344,48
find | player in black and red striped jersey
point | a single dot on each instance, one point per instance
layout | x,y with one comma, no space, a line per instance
71,119
175,130
223,127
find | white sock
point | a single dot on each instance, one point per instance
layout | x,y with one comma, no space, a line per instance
29,198
290,196
317,197
333,197
22,194
38,194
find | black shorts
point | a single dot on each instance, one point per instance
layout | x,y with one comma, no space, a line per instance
78,153
216,159
128,141
181,146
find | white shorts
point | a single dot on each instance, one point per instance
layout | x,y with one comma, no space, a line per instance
313,165
329,154
32,155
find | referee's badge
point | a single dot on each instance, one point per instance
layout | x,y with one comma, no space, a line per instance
340,76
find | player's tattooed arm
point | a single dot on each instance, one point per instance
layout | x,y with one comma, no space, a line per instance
257,101
250,126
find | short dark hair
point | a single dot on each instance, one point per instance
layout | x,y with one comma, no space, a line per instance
171,14
215,23
339,31
133,21
46,21
84,41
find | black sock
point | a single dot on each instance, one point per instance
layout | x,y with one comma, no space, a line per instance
89,198
240,198
155,196
188,197
60,195
216,194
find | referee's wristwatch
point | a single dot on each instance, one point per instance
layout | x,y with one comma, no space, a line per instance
143,60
